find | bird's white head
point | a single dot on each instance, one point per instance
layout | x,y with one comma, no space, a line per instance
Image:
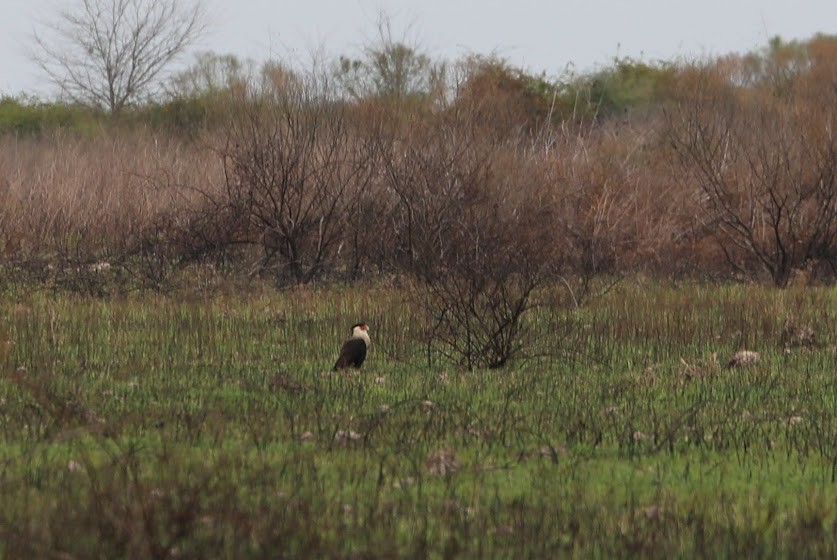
361,330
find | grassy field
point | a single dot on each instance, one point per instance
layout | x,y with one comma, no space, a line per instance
209,427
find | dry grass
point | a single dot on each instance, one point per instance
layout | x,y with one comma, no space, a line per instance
80,195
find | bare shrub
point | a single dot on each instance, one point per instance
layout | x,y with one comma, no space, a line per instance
294,170
467,223
151,258
763,158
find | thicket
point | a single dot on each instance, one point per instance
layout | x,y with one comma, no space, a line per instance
473,181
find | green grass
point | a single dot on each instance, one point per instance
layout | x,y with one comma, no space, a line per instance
189,427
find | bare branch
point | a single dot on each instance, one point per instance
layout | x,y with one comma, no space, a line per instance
110,53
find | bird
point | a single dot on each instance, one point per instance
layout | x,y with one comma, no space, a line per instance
353,352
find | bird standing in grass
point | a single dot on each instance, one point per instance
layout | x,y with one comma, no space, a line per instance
353,352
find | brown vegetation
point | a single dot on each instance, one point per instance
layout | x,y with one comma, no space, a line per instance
761,152
479,186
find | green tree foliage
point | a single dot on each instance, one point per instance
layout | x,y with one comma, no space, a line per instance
781,65
200,95
626,84
23,116
211,74
390,69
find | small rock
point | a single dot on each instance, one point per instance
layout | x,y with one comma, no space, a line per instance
346,436
744,358
442,462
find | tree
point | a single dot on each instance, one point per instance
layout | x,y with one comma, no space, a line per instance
764,161
110,53
626,85
211,74
389,69
507,101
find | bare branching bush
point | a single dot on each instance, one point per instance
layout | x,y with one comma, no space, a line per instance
467,222
763,159
294,172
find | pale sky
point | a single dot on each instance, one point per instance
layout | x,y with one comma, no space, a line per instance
537,35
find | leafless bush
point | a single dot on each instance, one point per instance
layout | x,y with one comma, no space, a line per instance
467,219
764,162
294,174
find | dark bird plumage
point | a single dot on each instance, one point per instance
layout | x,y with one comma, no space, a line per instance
353,352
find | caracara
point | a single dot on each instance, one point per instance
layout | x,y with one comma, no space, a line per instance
354,349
